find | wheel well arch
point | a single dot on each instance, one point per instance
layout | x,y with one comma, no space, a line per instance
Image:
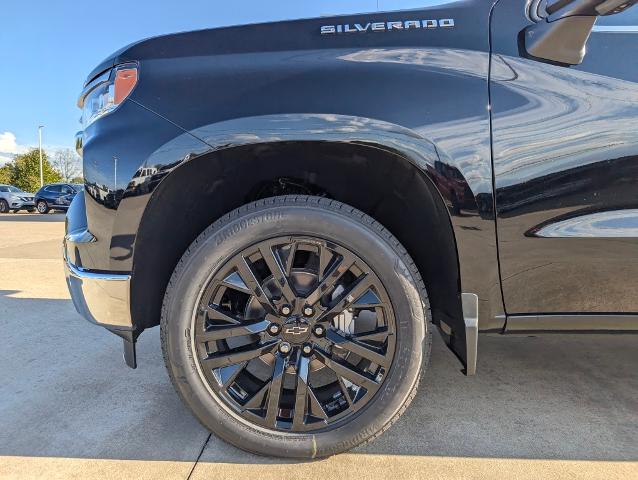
381,183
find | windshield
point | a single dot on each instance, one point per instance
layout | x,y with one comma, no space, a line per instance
14,189
78,187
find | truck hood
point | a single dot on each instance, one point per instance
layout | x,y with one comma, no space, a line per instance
286,35
272,36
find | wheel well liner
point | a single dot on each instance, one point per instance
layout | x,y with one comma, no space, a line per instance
379,182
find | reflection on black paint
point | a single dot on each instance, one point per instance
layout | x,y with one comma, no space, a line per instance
566,168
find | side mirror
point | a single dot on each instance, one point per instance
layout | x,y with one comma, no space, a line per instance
563,26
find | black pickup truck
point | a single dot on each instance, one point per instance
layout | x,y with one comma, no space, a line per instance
297,204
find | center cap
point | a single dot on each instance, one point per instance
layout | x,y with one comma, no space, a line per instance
295,331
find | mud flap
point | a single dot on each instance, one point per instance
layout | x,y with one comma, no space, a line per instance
130,356
462,337
129,339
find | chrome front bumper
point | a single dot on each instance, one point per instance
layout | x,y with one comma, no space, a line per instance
101,298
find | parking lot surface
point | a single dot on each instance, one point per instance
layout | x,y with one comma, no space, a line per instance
555,406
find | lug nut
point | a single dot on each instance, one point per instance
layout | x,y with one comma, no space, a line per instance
308,311
284,347
306,349
319,330
274,329
285,310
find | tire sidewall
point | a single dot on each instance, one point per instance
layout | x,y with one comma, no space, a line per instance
225,239
4,206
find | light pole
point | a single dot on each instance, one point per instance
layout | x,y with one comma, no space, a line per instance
40,142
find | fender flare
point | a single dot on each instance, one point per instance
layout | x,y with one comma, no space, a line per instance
422,153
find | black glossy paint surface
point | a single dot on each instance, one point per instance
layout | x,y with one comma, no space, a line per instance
565,149
564,140
420,93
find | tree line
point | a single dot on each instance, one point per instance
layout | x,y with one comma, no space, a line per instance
24,170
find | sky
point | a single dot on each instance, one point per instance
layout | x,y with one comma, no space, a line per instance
48,47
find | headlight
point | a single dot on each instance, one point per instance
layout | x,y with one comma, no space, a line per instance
104,94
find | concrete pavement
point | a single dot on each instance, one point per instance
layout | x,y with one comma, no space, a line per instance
540,407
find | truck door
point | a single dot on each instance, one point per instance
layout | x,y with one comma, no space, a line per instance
565,153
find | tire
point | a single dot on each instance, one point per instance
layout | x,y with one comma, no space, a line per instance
405,308
42,207
4,206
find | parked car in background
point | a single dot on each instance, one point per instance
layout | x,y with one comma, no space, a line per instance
56,196
13,198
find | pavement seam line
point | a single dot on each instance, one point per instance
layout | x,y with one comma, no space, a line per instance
198,457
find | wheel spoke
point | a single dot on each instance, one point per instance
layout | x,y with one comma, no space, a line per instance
215,313
366,351
247,275
367,300
347,371
275,267
344,391
257,399
235,282
290,260
301,392
325,255
336,272
316,408
274,394
243,354
220,333
349,297
378,335
227,375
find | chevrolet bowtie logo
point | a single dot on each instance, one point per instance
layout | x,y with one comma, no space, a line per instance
296,330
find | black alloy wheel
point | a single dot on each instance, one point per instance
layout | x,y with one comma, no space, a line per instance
295,333
296,326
